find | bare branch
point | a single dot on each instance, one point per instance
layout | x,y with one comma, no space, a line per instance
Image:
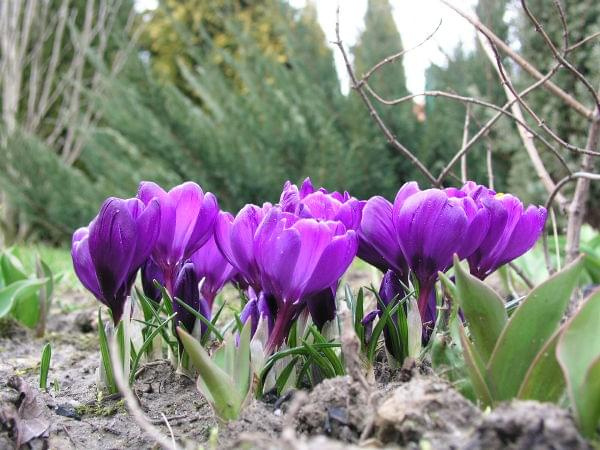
584,41
565,27
577,208
395,56
490,169
465,137
525,65
527,138
382,126
560,57
502,110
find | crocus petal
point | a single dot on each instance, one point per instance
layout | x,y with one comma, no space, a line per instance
306,188
334,261
525,234
186,289
321,306
203,228
378,237
112,242
147,229
150,273
83,264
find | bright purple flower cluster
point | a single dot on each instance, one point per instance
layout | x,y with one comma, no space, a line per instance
291,256
422,231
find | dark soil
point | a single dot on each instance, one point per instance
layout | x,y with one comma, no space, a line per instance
405,408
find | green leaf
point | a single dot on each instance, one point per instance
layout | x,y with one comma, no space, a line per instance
544,380
105,355
146,345
214,382
528,329
12,269
211,327
242,370
483,309
578,352
45,365
284,376
475,369
14,292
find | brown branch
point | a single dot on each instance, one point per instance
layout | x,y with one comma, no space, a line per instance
540,29
373,113
465,138
525,65
475,101
550,200
511,94
395,56
490,169
584,41
565,27
577,208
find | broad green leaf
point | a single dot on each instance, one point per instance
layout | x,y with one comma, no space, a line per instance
242,371
26,308
578,352
214,383
483,309
528,329
590,400
544,380
12,293
475,369
12,269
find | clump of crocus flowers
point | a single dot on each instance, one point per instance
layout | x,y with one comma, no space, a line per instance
290,256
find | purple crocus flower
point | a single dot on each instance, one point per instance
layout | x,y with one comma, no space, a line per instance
186,290
257,308
150,273
298,258
320,204
235,237
513,231
378,242
432,226
308,202
187,221
213,268
108,253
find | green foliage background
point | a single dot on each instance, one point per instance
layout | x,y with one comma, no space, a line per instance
240,96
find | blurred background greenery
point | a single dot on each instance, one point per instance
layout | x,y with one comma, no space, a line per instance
240,96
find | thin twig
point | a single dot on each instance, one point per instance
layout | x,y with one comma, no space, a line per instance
132,405
525,65
162,414
584,41
577,208
540,29
475,101
521,274
565,27
382,126
490,169
511,94
562,183
395,56
465,137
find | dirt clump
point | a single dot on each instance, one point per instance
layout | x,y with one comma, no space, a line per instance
527,425
424,410
258,426
338,408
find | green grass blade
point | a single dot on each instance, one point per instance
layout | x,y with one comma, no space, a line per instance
45,365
